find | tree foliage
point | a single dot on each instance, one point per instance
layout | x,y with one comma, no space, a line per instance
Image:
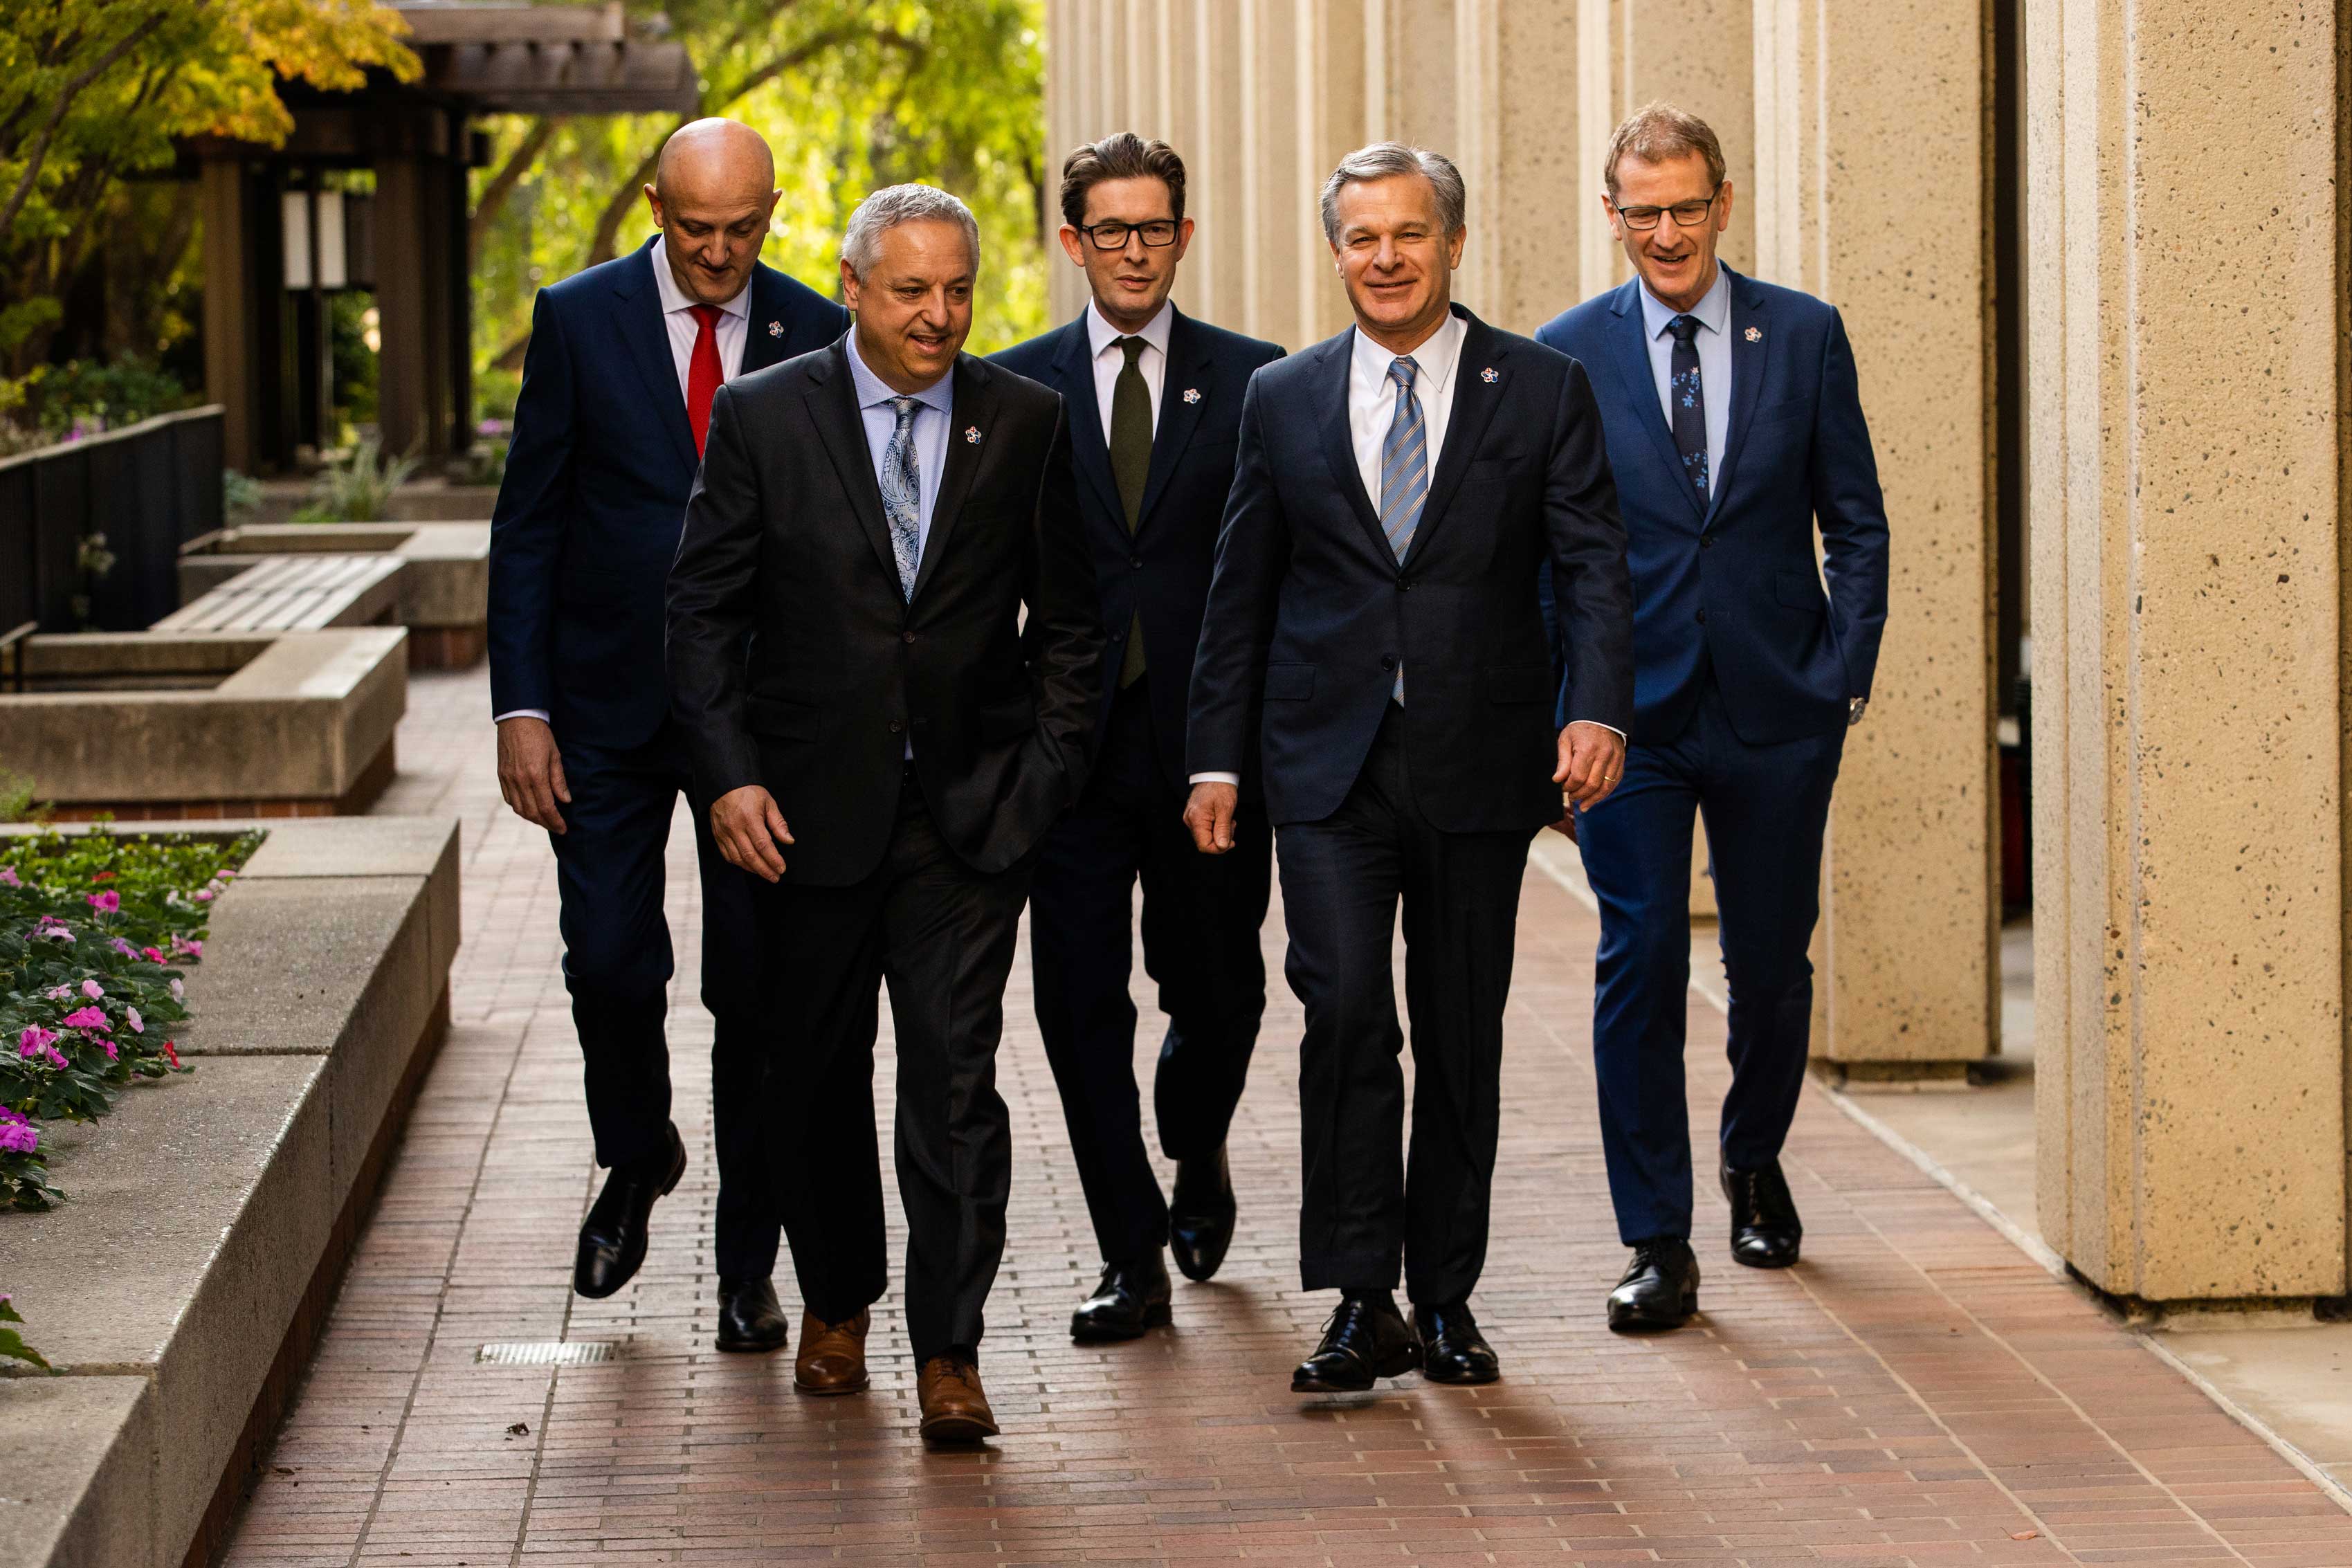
93,91
852,94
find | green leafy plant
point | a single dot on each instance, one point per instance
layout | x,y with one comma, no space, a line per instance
358,489
241,497
11,1343
17,798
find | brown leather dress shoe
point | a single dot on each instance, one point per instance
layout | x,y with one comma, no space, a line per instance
955,1407
833,1356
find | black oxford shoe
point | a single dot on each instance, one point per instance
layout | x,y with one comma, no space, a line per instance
613,1236
1200,1214
1451,1348
1365,1340
1130,1298
750,1319
1765,1230
1660,1290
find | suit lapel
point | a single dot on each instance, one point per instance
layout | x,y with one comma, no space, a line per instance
1074,369
1474,401
1180,402
636,308
833,408
1339,443
1629,343
764,330
1748,357
975,411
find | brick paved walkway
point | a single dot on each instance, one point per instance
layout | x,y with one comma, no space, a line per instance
1917,1393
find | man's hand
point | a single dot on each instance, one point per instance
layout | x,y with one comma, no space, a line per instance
1210,814
748,828
1591,760
530,771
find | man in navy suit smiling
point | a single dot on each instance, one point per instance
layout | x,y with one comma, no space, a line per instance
624,358
1734,425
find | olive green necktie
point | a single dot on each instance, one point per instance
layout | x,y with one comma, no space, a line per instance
1131,465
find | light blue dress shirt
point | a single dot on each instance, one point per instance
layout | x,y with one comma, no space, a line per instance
1714,341
932,418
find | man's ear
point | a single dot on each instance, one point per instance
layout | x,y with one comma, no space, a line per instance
653,205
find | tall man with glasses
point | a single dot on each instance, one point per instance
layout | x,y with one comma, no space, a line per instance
1155,406
1373,627
1735,427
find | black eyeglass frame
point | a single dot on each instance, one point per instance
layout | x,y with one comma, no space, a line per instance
1625,215
1094,233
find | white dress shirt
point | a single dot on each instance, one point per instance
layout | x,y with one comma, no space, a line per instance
1109,360
934,412
732,331
1713,342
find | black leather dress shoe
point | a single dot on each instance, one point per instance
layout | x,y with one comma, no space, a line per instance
1366,1339
1765,1230
1660,1290
749,1318
1451,1348
613,1236
1130,1298
1200,1214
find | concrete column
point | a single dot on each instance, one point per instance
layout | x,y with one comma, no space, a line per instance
1883,214
2186,283
233,300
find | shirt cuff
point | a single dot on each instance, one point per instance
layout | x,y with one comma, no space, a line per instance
1598,725
1233,779
537,713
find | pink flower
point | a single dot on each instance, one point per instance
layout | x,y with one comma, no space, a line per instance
122,947
105,903
179,991
9,877
131,1016
33,1040
151,954
205,894
58,993
92,989
182,947
18,1136
87,1018
106,1046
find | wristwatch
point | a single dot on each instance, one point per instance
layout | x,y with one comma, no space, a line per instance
1854,707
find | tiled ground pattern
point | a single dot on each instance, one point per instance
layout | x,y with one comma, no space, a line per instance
1917,1393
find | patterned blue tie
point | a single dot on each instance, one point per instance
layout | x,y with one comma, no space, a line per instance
1404,474
1690,402
902,495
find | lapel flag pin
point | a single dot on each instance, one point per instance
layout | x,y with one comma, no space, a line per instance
775,328
1192,394
1754,334
1488,375
971,435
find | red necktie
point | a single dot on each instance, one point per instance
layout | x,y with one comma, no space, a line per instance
702,373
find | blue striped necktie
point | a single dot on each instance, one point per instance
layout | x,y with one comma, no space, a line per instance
1404,474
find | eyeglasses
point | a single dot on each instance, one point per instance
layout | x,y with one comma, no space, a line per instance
1687,215
1158,233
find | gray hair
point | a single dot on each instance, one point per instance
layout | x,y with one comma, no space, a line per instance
1382,159
891,205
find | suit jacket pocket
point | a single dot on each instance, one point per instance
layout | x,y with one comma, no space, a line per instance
1800,591
1290,682
781,720
1519,683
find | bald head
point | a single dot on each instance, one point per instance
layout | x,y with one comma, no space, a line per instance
713,190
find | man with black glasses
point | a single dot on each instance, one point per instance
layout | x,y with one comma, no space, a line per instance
1155,405
1735,427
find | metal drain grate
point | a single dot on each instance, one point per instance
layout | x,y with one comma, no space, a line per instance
546,1352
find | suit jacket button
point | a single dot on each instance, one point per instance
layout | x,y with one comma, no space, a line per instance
896,726
1702,617
1135,561
905,636
1388,661
1705,540
1404,585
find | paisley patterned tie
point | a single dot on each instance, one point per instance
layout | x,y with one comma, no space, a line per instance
902,495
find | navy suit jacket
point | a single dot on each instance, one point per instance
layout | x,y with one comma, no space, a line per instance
1732,586
1162,572
1310,610
594,496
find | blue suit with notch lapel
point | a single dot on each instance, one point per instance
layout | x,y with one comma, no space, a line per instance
586,523
1744,675
1200,913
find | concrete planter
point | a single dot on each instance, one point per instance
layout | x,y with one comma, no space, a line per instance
182,1285
208,724
444,586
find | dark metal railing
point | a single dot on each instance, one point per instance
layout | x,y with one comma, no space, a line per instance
149,488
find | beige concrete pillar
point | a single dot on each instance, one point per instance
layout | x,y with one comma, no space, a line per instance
1908,947
2186,281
